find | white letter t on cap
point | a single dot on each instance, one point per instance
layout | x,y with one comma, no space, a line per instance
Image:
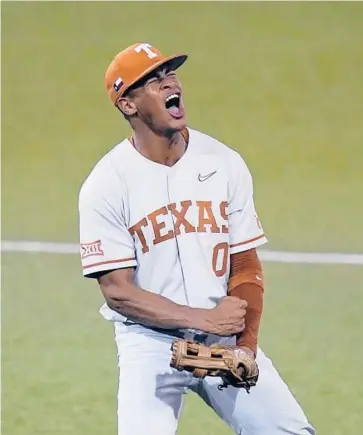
146,49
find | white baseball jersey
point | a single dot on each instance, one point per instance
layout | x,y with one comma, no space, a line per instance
177,226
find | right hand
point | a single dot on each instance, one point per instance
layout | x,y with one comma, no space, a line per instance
227,318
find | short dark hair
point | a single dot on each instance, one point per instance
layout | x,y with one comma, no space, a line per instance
136,85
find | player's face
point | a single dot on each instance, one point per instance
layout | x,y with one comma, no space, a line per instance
159,101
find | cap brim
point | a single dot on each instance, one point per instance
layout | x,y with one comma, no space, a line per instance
173,61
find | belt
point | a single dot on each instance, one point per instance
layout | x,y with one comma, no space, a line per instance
184,334
198,336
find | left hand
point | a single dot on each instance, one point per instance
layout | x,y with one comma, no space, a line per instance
235,365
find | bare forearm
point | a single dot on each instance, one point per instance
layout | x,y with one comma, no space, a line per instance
152,309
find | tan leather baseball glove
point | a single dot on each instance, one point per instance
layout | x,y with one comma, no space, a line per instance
235,366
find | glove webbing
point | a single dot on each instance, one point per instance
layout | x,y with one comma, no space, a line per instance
206,352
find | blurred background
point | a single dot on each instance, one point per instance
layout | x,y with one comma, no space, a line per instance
281,83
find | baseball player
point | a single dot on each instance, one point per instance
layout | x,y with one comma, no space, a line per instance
169,230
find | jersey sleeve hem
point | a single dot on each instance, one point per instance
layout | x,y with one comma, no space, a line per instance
102,266
248,244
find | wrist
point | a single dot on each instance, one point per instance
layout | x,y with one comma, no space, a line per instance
199,319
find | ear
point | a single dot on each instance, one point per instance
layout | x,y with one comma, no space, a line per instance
127,106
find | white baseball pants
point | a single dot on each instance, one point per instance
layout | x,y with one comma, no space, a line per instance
150,395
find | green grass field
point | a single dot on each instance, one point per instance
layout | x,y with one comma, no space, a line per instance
280,82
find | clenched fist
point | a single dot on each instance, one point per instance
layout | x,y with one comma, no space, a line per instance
227,318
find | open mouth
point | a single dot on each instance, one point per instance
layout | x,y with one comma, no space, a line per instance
174,106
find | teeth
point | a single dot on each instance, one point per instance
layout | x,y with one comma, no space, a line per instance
171,96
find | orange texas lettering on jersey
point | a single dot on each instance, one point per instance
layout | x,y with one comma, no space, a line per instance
206,221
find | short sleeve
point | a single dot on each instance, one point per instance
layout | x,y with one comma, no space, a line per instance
105,242
245,228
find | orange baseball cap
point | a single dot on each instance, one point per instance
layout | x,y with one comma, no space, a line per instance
134,63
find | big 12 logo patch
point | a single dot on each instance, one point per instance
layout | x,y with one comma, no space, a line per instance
91,249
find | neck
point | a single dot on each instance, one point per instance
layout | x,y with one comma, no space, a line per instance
166,150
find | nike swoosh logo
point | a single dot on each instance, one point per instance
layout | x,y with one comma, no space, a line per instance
205,177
